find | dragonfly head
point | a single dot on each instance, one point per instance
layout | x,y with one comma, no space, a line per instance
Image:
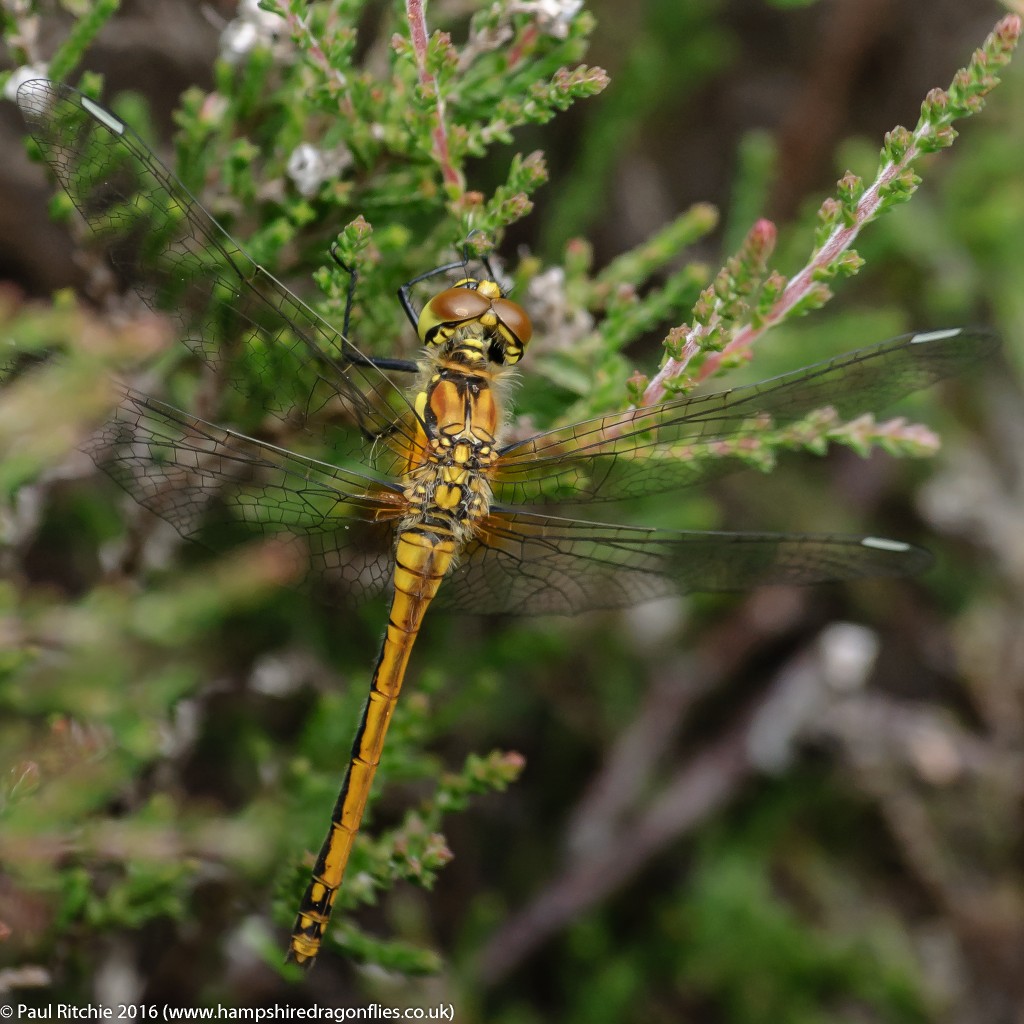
476,311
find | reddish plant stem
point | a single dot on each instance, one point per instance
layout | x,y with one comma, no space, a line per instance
796,290
821,264
418,35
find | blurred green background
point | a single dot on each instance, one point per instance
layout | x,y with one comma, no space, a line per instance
728,813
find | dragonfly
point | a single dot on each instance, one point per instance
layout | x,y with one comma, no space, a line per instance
423,496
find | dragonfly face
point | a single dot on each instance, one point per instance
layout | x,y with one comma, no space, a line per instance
418,496
471,302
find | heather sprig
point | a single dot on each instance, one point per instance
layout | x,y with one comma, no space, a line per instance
23,36
311,131
733,313
637,265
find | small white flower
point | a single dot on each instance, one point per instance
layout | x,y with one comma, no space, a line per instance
251,29
238,39
22,75
552,16
551,311
309,167
306,168
268,23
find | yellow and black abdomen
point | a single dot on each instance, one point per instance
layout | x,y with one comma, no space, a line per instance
448,492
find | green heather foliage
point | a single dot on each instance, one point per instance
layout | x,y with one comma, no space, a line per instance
173,725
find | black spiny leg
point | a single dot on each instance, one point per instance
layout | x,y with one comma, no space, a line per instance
463,264
353,277
404,292
400,365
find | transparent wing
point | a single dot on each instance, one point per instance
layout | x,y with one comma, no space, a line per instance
217,486
692,439
521,563
284,358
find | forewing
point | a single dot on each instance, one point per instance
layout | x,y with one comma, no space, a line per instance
527,564
689,440
234,315
217,486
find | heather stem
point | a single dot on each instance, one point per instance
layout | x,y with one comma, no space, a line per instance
894,183
300,30
418,34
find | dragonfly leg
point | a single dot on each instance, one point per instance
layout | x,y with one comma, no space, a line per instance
404,293
401,365
350,294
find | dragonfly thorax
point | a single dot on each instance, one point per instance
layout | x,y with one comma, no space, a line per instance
460,414
446,497
475,311
466,348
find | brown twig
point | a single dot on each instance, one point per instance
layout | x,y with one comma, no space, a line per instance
700,786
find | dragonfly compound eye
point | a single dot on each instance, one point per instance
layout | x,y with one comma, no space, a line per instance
453,307
504,321
516,329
